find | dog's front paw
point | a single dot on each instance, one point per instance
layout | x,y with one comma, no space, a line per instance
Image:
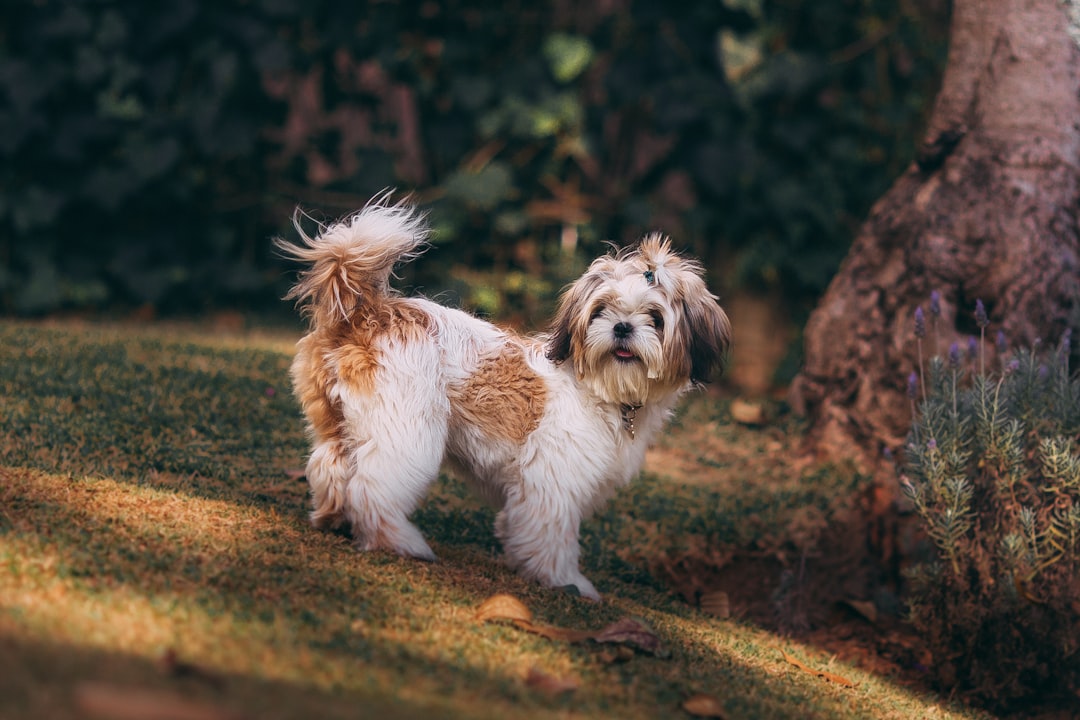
582,588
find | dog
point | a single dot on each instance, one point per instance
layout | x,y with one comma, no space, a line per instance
545,428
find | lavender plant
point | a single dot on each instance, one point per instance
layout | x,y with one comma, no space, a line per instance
993,473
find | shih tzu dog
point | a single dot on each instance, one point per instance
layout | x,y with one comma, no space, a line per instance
545,428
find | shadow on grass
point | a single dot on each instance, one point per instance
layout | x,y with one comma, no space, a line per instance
45,680
361,624
258,585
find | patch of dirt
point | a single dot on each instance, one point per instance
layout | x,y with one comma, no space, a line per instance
707,447
808,602
843,594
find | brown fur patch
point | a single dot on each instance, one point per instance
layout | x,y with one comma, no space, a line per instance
504,397
395,318
356,354
348,353
357,365
312,378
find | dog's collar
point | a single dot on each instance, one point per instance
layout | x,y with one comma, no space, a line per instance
629,415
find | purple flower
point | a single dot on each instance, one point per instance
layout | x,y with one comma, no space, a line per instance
980,314
887,453
1012,367
954,355
935,303
920,323
1002,345
1043,372
973,347
931,444
912,385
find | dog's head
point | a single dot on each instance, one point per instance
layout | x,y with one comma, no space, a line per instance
640,323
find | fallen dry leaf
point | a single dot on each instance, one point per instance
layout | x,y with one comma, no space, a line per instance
702,705
503,607
113,702
508,607
717,604
630,631
550,684
831,677
627,631
747,413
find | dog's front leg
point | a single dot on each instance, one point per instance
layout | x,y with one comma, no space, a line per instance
540,537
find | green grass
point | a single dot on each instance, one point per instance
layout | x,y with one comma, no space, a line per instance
145,507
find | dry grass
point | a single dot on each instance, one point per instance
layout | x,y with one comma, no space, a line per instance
152,545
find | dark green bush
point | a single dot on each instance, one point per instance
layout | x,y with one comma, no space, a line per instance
148,151
993,472
132,138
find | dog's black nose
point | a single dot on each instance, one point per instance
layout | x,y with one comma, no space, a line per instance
623,330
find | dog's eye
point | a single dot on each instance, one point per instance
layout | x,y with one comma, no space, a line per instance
657,319
597,312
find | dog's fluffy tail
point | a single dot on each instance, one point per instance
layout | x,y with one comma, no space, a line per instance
350,261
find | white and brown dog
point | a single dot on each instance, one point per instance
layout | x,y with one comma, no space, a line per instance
545,428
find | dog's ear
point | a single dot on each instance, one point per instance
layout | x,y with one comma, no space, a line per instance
704,337
710,336
572,317
558,344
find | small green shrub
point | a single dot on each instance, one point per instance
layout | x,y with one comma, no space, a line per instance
992,471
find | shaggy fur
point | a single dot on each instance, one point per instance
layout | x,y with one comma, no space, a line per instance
544,428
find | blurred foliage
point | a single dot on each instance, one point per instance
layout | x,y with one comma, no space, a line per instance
147,153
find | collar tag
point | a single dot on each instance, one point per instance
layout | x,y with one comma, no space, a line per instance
629,415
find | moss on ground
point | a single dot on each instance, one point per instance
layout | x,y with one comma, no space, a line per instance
153,540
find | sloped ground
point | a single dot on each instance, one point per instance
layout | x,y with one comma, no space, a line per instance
816,564
155,560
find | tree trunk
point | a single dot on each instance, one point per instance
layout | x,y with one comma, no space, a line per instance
989,211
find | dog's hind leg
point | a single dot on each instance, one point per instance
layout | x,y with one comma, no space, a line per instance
397,449
379,523
328,471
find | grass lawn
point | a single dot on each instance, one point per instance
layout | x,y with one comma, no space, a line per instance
156,561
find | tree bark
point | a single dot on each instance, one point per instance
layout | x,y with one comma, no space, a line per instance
989,211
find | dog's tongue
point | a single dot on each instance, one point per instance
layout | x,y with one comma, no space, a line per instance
624,353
